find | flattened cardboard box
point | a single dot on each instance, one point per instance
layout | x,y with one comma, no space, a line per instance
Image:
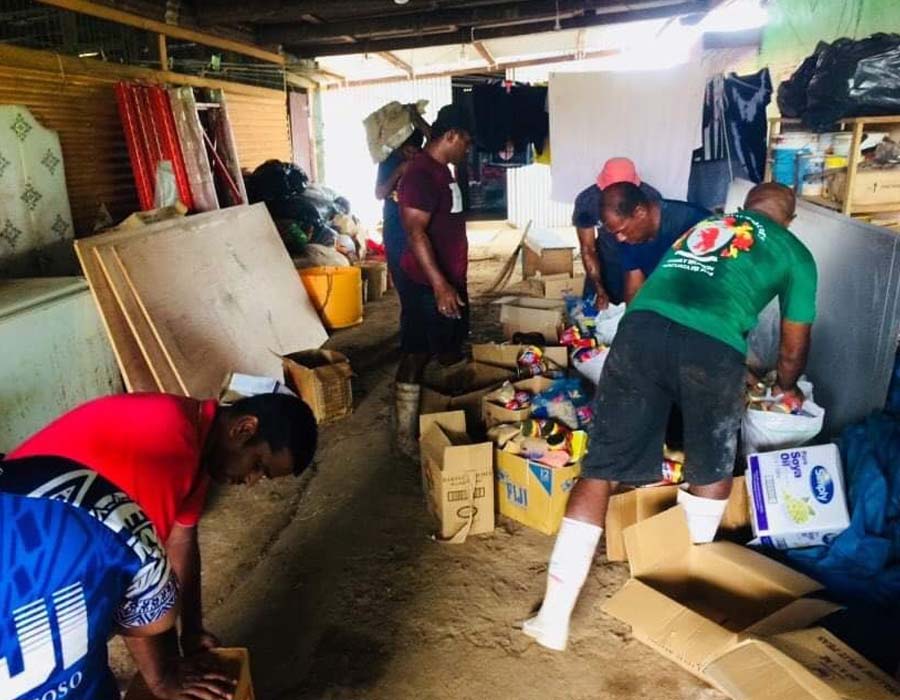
322,379
694,603
507,355
494,414
527,315
533,494
483,379
637,505
457,476
810,664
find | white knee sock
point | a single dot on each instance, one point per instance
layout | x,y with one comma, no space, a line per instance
569,565
703,515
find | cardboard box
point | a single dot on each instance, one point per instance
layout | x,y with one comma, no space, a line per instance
533,494
527,315
636,505
694,603
494,414
797,496
322,379
375,279
457,476
507,355
871,187
478,380
233,662
556,286
547,253
809,664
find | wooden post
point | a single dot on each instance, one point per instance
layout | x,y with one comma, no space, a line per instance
163,53
852,165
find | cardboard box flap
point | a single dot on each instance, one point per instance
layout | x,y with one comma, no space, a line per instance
756,671
469,458
663,537
677,632
793,616
453,421
809,664
776,575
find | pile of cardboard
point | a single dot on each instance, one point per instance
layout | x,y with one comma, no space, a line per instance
736,619
187,300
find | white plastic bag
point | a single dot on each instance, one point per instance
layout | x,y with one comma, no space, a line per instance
764,431
607,323
593,368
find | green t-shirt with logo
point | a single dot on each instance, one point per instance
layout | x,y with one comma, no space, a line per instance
721,273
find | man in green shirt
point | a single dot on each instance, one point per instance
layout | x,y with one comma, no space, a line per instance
683,341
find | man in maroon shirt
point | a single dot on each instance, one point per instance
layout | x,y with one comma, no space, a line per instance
436,262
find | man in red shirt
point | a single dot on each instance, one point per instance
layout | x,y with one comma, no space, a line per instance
163,450
435,302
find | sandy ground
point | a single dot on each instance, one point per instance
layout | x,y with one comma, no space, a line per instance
335,585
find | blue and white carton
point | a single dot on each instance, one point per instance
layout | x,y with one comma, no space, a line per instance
797,496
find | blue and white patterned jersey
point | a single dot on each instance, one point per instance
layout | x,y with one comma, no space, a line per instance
78,560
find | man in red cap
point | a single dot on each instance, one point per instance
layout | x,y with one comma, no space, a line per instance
616,269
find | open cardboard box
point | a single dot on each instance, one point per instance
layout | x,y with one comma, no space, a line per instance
528,315
494,414
636,505
457,476
322,378
810,664
694,603
532,493
507,355
464,392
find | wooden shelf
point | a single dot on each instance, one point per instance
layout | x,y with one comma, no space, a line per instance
856,209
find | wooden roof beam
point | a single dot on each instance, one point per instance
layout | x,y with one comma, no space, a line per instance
397,62
465,35
418,22
171,30
485,53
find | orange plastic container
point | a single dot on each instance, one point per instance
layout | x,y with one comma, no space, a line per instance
336,292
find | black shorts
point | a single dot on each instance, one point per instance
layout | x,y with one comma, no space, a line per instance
424,329
655,363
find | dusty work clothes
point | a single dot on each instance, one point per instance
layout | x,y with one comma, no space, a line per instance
653,365
721,274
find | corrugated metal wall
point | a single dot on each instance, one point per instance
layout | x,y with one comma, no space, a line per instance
260,126
348,168
528,198
82,109
528,188
75,98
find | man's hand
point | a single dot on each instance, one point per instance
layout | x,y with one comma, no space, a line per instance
197,641
449,301
194,680
602,299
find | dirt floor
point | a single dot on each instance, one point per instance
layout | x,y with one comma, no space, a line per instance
335,585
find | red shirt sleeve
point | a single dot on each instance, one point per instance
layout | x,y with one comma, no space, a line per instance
192,506
417,191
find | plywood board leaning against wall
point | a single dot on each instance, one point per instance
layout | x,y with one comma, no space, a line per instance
222,295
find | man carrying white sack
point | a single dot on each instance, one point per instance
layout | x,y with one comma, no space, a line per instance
683,341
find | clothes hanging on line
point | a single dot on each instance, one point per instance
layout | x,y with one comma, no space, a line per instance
510,112
734,121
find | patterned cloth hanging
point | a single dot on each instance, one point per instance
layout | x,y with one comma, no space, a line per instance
35,218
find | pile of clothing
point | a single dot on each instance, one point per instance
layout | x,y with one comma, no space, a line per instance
314,221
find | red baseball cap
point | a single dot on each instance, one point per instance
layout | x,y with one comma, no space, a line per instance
617,170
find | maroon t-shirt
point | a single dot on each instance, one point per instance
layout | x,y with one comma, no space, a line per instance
429,186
